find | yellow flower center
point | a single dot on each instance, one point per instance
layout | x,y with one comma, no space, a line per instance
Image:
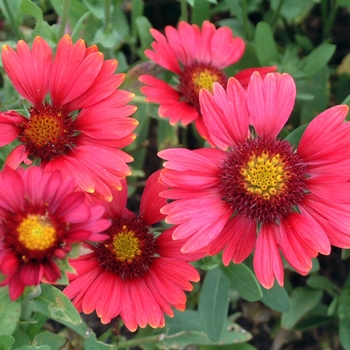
264,175
43,129
205,79
36,232
126,246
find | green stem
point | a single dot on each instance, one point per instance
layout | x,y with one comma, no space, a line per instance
245,19
328,17
107,11
12,20
26,309
184,11
276,14
64,18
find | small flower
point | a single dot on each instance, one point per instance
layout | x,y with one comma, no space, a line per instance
83,124
256,191
134,273
41,217
198,58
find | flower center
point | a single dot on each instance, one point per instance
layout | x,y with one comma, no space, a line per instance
264,175
199,76
130,250
263,179
126,246
36,233
48,133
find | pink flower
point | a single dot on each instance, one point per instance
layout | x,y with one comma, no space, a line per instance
198,58
83,124
135,273
256,192
41,217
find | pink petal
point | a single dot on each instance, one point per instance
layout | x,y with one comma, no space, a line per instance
270,102
267,261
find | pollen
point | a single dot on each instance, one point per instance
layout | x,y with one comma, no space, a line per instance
265,175
199,76
126,246
36,233
43,129
263,179
48,133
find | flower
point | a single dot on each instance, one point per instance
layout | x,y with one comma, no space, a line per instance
257,191
198,58
135,273
41,217
81,127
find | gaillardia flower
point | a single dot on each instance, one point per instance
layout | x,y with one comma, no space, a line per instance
198,57
41,217
77,120
135,273
257,191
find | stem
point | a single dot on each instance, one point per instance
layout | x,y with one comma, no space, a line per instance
107,11
328,23
12,20
184,11
245,19
64,18
26,309
276,14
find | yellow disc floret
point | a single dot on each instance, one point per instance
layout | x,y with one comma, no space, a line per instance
36,233
43,129
126,246
264,175
205,79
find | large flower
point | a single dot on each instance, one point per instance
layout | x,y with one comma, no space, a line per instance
41,216
198,57
83,124
255,190
135,273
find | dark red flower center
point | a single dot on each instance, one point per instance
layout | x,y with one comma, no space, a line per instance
130,249
196,77
32,236
263,179
48,133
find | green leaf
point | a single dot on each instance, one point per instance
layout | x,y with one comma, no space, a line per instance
213,302
29,8
303,299
265,45
344,304
276,298
294,137
54,341
6,341
293,9
344,334
187,320
91,343
318,86
33,347
317,59
200,12
243,280
10,312
321,282
54,304
143,25
243,346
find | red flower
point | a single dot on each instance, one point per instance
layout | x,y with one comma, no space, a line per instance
256,191
198,57
82,126
135,273
41,216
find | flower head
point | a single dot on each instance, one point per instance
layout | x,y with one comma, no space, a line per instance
198,57
84,120
134,273
41,217
257,191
